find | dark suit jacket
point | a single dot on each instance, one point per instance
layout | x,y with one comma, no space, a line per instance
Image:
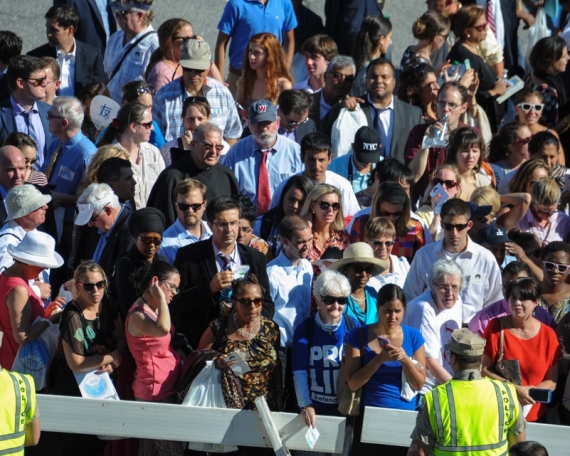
195,307
5,91
315,110
304,129
90,29
3,213
8,122
406,117
88,63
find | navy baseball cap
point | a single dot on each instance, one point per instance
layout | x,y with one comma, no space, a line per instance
492,234
262,111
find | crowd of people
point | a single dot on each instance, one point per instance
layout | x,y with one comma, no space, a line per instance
292,199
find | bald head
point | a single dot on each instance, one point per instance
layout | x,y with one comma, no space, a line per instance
12,167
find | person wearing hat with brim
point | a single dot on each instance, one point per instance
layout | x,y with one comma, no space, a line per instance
494,238
489,409
19,305
195,61
358,264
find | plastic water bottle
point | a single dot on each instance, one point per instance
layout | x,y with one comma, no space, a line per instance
440,138
226,300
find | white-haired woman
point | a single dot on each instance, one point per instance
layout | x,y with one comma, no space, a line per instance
436,314
315,375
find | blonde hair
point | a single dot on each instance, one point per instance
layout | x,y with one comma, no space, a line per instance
317,192
487,196
102,154
524,173
379,227
545,192
88,266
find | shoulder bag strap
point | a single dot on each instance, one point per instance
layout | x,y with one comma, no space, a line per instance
501,353
362,344
131,47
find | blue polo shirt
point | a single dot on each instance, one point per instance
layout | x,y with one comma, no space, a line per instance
344,166
242,19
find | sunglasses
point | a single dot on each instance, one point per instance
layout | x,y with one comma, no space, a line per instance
94,219
184,207
190,100
183,38
292,124
382,243
208,146
148,240
245,230
451,226
523,140
145,89
445,183
526,107
390,214
36,82
90,286
330,300
544,213
549,266
244,302
324,205
51,116
481,27
147,125
359,269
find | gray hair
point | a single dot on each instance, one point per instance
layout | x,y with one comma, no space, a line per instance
341,61
331,283
205,128
443,268
99,195
69,108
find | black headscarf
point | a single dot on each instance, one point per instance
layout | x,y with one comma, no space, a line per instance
556,82
147,220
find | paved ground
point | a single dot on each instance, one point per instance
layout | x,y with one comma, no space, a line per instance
25,17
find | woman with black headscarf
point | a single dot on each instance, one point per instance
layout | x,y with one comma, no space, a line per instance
146,226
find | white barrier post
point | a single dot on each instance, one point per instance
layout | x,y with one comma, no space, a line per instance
269,425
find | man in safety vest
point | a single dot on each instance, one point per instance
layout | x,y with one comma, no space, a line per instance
469,414
19,416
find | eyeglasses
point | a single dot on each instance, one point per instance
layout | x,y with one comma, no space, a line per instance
191,100
292,124
544,213
330,300
526,107
324,205
51,116
88,287
342,77
209,146
549,266
148,240
382,243
173,288
446,183
225,225
451,226
481,27
523,140
245,230
244,302
121,14
452,106
37,81
444,289
184,207
359,269
145,89
444,36
382,213
94,219
147,125
183,38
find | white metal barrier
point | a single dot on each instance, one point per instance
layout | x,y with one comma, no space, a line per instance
187,424
394,427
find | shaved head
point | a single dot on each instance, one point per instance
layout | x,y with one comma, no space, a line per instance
12,167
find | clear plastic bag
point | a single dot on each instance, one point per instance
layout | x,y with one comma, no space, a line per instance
537,31
344,129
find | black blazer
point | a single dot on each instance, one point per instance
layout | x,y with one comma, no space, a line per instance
406,117
195,307
304,129
90,29
3,213
8,122
315,110
88,63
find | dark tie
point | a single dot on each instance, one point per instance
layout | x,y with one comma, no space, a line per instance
52,162
227,261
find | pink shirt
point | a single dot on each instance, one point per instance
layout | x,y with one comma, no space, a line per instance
158,364
556,230
161,74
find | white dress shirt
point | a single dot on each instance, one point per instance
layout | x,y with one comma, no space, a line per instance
400,268
480,268
67,66
290,289
176,237
384,124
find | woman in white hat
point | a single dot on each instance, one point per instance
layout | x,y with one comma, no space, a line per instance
19,305
358,264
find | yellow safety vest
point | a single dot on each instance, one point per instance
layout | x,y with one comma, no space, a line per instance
17,407
472,418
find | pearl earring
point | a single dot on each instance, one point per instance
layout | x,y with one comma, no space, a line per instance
468,35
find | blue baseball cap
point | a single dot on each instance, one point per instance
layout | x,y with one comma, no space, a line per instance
262,111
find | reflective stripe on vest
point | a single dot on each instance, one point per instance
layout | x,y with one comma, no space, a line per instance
447,403
13,443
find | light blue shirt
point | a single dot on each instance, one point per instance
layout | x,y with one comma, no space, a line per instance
104,238
244,159
102,7
343,166
176,236
22,127
324,107
290,289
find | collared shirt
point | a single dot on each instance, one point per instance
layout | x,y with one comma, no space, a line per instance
67,66
481,272
244,159
324,107
235,257
349,202
498,16
292,135
383,121
290,289
400,268
344,166
556,229
176,236
102,7
168,101
242,19
104,237
304,85
134,65
22,127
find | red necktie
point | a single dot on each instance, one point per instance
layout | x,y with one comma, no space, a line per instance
263,191
490,17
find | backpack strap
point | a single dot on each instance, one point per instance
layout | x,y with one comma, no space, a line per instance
310,329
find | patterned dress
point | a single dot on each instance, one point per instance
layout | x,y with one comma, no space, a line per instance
339,239
556,310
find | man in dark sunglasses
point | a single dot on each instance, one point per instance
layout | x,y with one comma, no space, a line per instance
482,273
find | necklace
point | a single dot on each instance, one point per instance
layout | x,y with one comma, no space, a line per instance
242,332
359,300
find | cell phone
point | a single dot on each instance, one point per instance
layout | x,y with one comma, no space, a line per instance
541,395
467,64
383,341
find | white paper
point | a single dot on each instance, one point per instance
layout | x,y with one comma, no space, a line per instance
526,409
439,190
312,436
96,386
240,367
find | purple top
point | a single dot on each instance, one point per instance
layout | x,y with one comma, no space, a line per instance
501,309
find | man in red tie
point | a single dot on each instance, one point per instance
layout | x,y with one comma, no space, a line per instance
261,161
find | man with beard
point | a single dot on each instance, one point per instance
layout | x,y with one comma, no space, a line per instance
190,203
261,161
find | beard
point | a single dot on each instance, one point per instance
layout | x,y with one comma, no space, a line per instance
266,138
